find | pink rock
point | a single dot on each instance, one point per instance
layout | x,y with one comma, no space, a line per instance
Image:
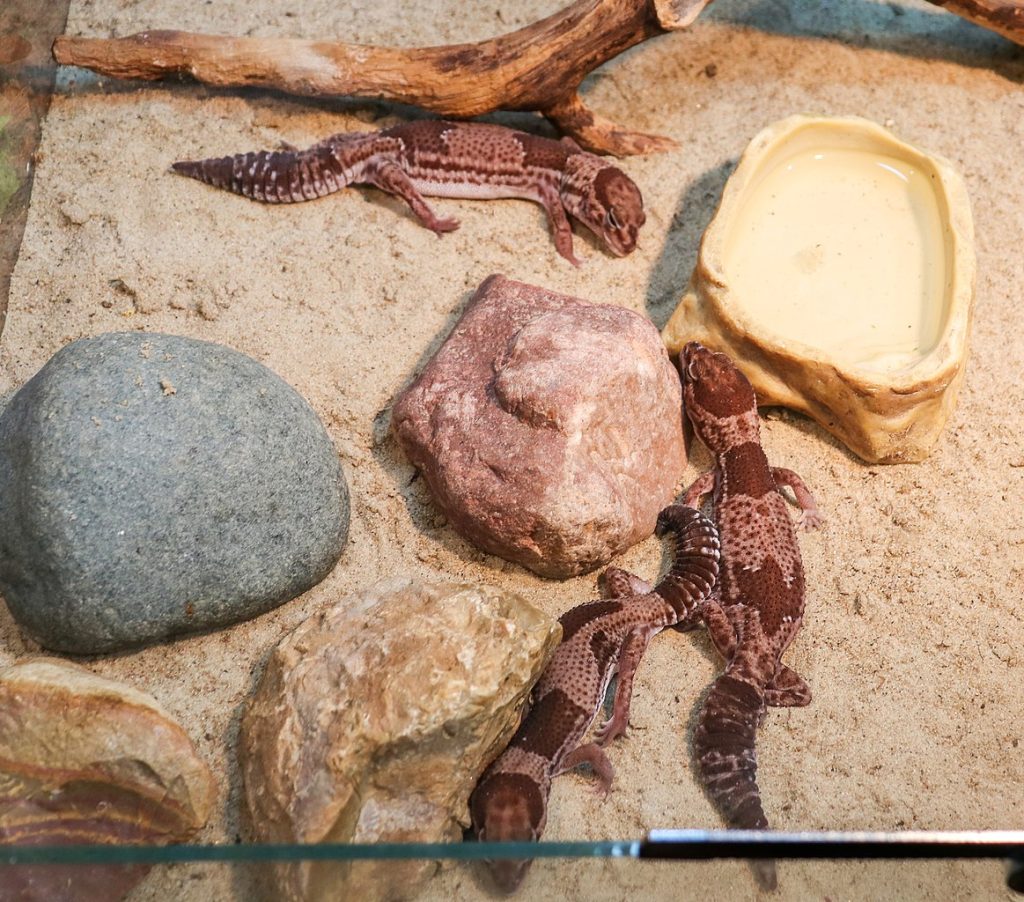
549,429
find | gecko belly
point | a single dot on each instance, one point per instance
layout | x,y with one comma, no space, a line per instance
476,190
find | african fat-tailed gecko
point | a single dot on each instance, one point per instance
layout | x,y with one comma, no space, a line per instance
758,605
446,159
598,638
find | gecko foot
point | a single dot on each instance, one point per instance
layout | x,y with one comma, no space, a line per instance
807,520
593,755
611,729
440,226
571,257
561,231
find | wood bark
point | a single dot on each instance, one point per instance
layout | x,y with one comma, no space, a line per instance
539,67
1003,16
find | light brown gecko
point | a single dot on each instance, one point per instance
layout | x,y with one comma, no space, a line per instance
446,159
758,605
598,639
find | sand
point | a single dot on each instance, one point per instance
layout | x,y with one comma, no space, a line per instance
912,637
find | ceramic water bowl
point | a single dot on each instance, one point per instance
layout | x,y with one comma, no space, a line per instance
839,272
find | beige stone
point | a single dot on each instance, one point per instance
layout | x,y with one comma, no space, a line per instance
373,722
838,272
86,760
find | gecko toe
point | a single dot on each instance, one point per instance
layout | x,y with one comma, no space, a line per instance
440,226
809,520
609,731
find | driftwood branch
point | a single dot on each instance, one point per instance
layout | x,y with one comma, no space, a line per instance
1003,16
539,67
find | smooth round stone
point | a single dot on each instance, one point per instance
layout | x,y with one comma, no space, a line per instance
152,485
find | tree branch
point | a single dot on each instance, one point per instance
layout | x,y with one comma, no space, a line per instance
539,67
1003,16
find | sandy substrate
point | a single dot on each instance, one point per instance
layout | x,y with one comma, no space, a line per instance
912,639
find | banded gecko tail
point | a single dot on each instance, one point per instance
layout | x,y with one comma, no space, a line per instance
279,176
724,743
695,553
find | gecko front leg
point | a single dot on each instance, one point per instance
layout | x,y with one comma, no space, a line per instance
594,755
810,517
701,487
629,658
561,229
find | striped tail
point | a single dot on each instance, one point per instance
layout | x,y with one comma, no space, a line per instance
724,744
276,177
695,560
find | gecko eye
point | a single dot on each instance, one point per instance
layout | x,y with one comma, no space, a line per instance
611,219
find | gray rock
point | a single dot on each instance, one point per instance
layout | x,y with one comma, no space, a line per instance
548,429
152,485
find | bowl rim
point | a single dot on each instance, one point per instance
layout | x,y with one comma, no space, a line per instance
943,361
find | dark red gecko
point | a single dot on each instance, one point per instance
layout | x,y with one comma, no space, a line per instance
446,159
598,638
758,605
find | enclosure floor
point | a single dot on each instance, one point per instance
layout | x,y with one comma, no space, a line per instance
912,637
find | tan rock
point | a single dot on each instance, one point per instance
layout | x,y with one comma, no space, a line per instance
374,720
838,273
549,429
86,760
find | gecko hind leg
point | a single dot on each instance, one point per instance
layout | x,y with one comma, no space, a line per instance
787,689
392,178
629,658
720,628
594,755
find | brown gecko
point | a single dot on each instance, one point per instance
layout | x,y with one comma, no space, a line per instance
446,159
598,638
758,605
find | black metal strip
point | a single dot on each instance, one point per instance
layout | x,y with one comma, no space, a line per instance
702,845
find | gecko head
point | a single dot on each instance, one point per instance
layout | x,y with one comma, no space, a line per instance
620,206
606,201
507,807
717,397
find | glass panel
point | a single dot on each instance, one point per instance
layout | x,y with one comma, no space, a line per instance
656,868
592,870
